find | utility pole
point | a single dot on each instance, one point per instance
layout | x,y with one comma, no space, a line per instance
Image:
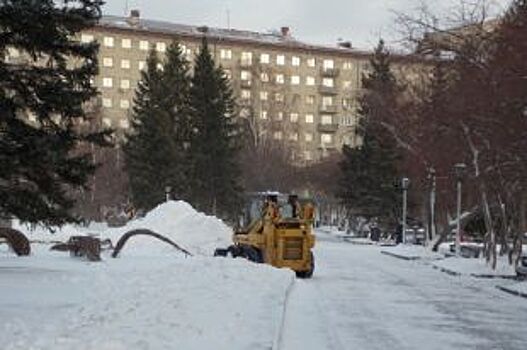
168,189
459,169
405,183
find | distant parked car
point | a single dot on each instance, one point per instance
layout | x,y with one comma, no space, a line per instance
521,269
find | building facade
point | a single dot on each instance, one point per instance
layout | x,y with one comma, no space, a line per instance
302,94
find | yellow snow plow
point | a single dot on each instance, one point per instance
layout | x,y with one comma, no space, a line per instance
280,234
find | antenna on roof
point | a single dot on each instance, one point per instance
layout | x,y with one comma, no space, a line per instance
228,18
126,7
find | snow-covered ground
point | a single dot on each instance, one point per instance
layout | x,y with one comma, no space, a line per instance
413,252
518,288
151,297
361,299
476,267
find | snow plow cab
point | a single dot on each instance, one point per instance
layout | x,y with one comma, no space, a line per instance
280,233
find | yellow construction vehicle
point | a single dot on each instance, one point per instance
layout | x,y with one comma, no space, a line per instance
280,234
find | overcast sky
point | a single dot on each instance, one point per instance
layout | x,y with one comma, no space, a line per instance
315,21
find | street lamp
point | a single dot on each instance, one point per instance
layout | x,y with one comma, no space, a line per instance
405,182
168,189
432,228
459,170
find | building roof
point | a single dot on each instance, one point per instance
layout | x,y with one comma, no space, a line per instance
232,35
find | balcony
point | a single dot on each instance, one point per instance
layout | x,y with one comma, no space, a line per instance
327,90
329,72
245,84
328,109
327,128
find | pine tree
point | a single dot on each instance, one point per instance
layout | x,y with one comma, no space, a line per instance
41,164
214,144
370,172
155,152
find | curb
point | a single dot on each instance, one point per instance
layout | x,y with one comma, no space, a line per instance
402,257
512,292
475,275
277,342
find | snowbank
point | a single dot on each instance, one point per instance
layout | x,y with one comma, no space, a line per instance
476,267
52,302
412,252
515,288
195,231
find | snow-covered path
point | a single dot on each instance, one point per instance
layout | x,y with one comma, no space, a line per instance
361,299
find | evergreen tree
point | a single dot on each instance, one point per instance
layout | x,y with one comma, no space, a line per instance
155,151
40,160
214,145
369,172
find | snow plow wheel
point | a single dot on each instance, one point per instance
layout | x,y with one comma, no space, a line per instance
308,273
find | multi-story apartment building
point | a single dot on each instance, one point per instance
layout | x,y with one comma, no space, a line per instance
296,92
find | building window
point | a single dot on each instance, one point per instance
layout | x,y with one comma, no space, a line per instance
307,155
295,61
280,60
277,135
280,116
126,43
245,75
225,54
107,102
265,58
125,64
346,84
108,41
143,45
124,104
247,58
264,77
87,38
326,138
329,82
310,119
263,114
347,65
263,95
346,103
326,119
107,62
228,73
124,123
280,79
293,136
279,97
347,120
107,122
328,64
161,47
308,137
125,84
310,100
327,101
107,82
160,66
295,80
311,62
293,117
246,94
310,81
141,65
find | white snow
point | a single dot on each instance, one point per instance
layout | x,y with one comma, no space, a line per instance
177,220
517,287
151,297
411,251
476,267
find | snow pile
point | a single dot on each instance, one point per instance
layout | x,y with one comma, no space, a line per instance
177,220
476,267
518,288
52,302
412,252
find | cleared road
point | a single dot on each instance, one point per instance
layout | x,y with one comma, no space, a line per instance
361,299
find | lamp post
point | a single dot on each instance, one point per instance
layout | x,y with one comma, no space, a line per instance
168,189
459,170
432,229
405,182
